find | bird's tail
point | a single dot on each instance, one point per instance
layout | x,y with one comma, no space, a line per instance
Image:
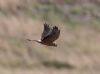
34,40
30,40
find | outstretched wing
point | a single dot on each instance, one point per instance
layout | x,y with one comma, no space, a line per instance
53,35
47,30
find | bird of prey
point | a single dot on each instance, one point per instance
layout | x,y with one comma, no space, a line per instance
49,35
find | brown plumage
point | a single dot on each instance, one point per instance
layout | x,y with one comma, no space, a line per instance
49,35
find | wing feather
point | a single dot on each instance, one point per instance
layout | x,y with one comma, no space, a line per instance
53,35
46,31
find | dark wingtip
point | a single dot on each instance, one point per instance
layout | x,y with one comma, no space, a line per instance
59,31
46,25
55,27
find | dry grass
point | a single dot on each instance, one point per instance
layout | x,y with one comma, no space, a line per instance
77,52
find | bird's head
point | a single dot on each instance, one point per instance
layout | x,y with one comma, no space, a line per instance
54,44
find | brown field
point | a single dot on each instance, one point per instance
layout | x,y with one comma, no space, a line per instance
78,50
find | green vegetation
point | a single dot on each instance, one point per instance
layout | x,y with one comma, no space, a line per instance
57,65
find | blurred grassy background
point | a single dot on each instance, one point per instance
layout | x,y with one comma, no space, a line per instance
78,48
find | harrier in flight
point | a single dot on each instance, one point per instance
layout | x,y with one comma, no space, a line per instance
49,35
